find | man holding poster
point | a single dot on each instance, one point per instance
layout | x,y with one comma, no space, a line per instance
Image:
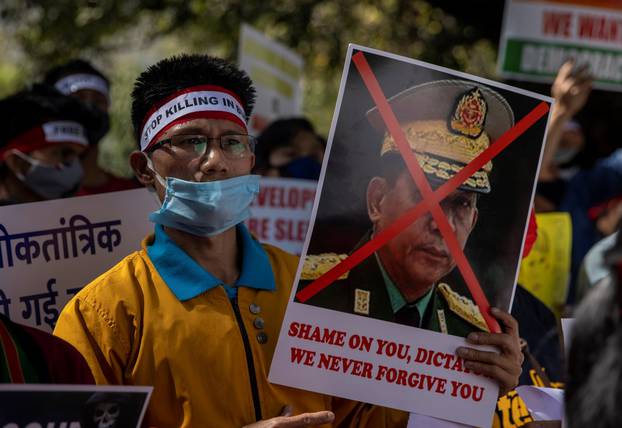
196,312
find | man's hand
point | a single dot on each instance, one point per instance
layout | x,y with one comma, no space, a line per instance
571,88
286,420
504,367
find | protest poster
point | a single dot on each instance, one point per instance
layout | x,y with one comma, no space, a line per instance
538,36
276,71
421,159
545,272
49,250
280,213
72,406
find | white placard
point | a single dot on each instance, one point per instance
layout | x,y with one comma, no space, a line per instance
49,250
281,212
417,421
544,404
276,71
336,342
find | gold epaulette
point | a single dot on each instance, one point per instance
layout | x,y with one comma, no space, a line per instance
317,265
463,307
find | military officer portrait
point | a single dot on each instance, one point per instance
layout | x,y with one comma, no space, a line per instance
447,123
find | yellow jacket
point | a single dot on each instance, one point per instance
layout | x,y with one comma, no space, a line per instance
201,354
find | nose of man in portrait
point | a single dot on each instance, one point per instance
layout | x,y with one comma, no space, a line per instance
447,124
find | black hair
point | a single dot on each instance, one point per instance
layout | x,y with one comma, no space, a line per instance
594,388
278,134
183,71
73,66
28,108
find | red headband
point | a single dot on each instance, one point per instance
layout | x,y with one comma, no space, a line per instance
46,134
208,101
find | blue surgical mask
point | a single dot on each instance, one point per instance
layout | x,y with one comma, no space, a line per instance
51,181
205,208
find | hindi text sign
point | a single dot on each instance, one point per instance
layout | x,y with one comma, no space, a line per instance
49,250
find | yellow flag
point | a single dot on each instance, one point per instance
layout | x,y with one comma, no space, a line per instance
546,271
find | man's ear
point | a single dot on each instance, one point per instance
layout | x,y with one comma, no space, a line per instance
138,162
253,159
376,191
16,164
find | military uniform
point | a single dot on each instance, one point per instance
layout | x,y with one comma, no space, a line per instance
363,292
447,123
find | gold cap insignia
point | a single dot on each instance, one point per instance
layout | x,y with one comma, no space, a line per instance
361,301
469,114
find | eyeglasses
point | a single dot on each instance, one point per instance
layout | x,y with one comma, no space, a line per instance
233,146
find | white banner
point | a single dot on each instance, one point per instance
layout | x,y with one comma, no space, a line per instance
276,71
49,250
372,238
538,36
281,211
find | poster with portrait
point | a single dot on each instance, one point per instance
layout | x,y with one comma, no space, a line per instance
72,406
417,231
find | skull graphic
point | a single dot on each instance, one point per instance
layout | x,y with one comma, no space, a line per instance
106,415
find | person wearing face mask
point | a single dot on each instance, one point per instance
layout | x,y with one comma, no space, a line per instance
80,79
197,311
42,137
290,148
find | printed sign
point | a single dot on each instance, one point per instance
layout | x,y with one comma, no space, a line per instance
422,210
281,212
49,250
72,406
538,36
545,272
276,71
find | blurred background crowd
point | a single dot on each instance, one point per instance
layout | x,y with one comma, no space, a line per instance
73,62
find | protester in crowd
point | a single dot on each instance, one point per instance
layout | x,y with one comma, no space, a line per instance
592,197
594,389
42,135
80,79
290,148
571,89
28,355
196,313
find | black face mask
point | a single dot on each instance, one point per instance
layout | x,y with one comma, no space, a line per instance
100,125
306,167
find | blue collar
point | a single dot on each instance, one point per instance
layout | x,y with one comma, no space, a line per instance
187,279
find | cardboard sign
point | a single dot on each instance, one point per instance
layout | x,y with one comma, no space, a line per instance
49,250
424,199
545,272
538,36
276,71
72,406
281,211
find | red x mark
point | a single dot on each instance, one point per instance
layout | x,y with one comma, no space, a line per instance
430,199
